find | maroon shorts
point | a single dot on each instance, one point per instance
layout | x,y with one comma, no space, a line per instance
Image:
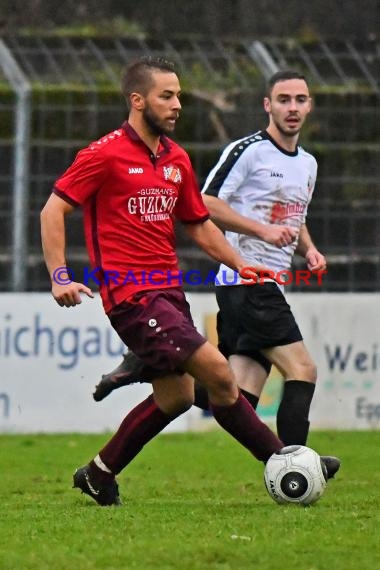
158,327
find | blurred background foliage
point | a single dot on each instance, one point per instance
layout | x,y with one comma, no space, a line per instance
73,52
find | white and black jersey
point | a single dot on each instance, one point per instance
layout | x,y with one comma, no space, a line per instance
266,183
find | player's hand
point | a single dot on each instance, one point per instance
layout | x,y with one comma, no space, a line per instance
252,274
69,295
315,260
280,236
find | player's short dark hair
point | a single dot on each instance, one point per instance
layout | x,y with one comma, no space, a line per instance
137,77
283,75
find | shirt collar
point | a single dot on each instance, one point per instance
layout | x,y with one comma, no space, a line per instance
283,150
131,133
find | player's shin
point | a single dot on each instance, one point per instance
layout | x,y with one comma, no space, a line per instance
201,397
143,423
242,422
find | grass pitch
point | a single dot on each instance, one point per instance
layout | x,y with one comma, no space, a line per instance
190,501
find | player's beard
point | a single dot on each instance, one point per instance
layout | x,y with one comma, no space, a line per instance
286,131
153,122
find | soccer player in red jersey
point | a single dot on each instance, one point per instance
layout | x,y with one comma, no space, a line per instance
132,184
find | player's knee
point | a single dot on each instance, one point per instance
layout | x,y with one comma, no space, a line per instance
305,371
220,375
312,371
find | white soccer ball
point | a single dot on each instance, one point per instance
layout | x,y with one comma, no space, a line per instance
295,474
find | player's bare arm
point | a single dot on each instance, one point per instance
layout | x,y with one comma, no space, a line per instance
316,261
211,239
66,294
229,219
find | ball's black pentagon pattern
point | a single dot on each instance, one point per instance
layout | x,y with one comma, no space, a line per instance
294,484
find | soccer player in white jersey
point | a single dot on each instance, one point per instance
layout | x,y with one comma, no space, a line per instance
259,192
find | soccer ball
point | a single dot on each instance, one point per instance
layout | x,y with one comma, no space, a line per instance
295,474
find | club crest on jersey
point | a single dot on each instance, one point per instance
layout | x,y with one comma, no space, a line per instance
172,173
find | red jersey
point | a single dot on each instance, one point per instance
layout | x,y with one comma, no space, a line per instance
130,199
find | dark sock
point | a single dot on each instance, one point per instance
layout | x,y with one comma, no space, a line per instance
144,422
252,399
201,398
293,412
242,422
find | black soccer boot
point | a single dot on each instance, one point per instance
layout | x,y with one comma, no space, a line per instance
332,465
105,494
129,371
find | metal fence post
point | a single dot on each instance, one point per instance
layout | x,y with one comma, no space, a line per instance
22,89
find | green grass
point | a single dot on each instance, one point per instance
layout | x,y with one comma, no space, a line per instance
190,501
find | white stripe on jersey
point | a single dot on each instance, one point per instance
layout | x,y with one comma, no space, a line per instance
263,182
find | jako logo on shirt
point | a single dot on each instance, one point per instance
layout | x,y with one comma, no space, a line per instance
276,174
172,173
135,170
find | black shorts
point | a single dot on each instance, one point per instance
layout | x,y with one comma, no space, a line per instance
254,317
158,327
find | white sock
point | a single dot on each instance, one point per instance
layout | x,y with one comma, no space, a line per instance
99,463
